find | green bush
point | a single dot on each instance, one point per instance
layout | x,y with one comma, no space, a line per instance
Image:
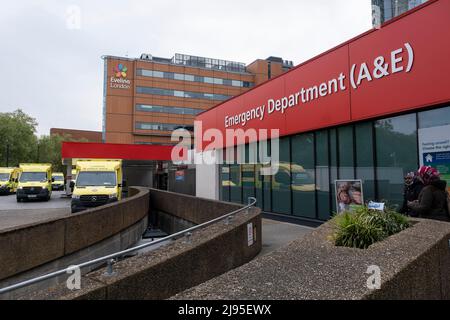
364,227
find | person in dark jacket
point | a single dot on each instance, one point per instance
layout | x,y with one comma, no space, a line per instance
432,202
413,186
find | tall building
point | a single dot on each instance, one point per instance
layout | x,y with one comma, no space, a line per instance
146,98
384,10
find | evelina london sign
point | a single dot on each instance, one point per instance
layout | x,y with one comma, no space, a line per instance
119,79
359,74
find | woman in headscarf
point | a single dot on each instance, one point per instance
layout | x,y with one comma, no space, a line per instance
432,201
412,188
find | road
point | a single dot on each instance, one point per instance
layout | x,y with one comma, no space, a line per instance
13,214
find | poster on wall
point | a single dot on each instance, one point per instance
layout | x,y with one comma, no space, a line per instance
349,195
434,150
179,175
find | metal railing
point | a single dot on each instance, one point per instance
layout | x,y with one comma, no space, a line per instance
109,259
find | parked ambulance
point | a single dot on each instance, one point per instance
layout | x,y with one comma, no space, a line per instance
8,180
35,181
98,182
57,181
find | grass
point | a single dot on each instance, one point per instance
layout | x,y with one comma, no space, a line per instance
364,227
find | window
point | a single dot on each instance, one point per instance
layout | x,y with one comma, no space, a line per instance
192,78
333,166
396,148
160,126
235,182
158,74
179,76
248,174
322,175
434,118
281,181
225,182
167,109
346,161
303,182
181,94
365,169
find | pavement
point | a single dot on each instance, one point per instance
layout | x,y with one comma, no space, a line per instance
276,234
14,214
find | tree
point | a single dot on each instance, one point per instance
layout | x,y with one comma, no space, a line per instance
17,138
49,150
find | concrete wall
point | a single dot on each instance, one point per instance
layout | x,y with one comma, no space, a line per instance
25,248
182,263
118,242
413,264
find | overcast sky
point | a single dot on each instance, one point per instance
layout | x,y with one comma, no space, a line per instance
51,50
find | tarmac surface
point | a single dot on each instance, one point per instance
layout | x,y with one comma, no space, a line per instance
14,214
276,234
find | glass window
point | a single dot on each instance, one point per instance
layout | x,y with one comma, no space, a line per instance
236,83
396,149
177,93
248,176
322,175
179,76
333,167
303,182
96,178
235,183
365,169
434,137
225,181
158,74
189,77
218,81
346,162
169,75
265,150
208,80
281,181
434,118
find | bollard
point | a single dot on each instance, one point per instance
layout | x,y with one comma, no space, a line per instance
188,236
228,220
109,267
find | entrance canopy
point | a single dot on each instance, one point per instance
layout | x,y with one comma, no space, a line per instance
88,150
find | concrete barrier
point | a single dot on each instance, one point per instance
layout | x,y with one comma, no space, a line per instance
25,248
179,264
413,264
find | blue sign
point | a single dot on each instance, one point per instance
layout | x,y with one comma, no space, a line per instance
435,158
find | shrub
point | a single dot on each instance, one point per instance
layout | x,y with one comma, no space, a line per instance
364,227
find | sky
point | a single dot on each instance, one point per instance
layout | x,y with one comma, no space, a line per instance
51,50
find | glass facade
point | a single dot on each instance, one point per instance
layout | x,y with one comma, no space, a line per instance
378,152
167,109
193,78
162,126
181,94
388,9
208,63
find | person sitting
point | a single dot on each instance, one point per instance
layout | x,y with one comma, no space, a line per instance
432,200
413,186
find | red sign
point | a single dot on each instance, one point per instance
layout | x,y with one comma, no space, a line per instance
402,66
